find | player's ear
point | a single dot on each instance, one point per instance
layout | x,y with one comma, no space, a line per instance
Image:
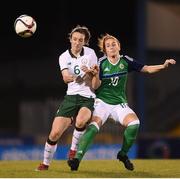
119,46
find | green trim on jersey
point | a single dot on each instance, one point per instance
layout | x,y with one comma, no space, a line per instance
113,82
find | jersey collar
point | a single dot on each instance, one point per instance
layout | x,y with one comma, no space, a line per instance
116,62
73,56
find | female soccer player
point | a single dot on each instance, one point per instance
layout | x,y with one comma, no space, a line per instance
111,98
79,100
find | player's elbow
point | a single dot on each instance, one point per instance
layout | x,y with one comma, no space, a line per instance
146,69
67,79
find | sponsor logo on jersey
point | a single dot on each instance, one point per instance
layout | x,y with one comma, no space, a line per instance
80,152
106,69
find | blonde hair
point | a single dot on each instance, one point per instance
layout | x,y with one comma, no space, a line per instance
83,30
103,39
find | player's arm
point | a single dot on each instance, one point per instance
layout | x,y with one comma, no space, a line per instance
157,68
94,73
63,63
66,76
96,82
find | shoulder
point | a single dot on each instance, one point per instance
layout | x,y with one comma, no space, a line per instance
88,50
134,64
64,55
102,59
127,58
132,60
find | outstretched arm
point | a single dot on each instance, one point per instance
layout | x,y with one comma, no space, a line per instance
157,68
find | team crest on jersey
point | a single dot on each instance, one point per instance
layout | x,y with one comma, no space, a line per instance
84,61
121,66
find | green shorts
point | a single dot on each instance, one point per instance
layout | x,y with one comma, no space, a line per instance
72,104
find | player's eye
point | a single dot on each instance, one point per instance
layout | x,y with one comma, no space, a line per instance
74,38
107,45
81,40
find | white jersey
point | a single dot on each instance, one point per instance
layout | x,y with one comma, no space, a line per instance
68,61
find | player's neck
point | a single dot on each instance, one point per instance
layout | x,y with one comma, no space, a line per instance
113,59
75,52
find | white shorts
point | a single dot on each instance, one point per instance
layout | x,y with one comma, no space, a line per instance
116,112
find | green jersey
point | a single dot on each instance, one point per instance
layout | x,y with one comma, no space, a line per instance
114,78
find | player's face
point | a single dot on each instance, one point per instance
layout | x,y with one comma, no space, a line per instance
77,41
112,47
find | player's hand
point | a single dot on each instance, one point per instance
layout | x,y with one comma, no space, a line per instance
95,69
85,69
169,62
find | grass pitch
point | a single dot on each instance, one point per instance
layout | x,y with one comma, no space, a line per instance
92,169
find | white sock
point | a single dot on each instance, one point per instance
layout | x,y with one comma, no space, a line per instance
49,151
75,139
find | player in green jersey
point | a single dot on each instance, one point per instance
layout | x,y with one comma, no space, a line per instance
79,100
111,101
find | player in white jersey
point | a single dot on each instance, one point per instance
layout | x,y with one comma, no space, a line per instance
111,98
67,61
75,65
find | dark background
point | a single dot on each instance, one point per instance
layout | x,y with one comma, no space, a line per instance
29,67
31,86
55,20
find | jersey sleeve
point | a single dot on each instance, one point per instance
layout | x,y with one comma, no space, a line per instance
62,63
133,65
